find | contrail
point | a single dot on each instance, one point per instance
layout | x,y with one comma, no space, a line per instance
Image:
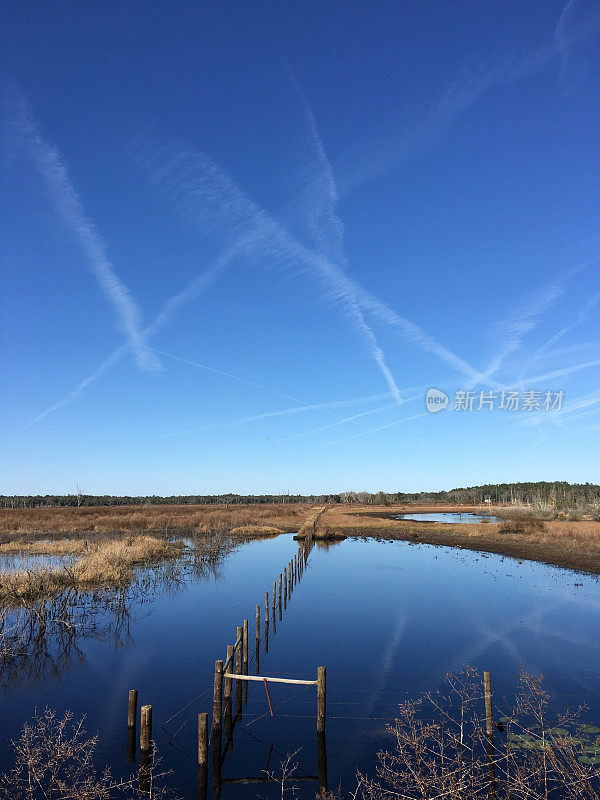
583,314
381,428
328,232
377,410
68,206
358,168
561,41
453,103
180,174
560,373
527,317
235,378
286,412
186,295
260,233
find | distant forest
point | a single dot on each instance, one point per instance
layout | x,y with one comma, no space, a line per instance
541,494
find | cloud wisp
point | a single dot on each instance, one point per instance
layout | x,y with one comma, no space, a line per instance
69,208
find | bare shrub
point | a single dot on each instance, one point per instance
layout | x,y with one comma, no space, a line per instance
522,522
441,749
54,761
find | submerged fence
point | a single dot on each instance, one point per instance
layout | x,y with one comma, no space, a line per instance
227,712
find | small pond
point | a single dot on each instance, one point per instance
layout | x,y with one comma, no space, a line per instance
448,516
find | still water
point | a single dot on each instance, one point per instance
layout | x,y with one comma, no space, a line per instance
387,619
449,516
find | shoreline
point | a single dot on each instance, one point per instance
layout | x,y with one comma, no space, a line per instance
568,545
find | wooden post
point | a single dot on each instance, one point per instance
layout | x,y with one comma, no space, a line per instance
131,723
321,698
489,729
285,587
132,708
245,646
266,622
239,670
227,682
146,729
280,576
202,740
257,640
245,643
218,698
322,762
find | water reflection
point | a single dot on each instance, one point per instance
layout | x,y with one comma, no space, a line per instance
43,638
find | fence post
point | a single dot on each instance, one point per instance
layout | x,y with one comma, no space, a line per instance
146,729
131,723
218,697
230,668
132,708
238,669
489,729
266,622
245,646
202,740
145,772
321,698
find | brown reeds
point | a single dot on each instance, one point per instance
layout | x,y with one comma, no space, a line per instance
108,563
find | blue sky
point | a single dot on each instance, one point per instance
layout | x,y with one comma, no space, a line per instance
242,241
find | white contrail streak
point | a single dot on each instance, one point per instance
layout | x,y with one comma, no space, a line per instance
562,42
236,378
377,410
358,168
381,428
328,232
583,314
560,373
457,99
516,328
191,178
286,412
69,208
261,233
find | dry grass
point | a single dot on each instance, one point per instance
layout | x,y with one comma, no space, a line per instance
253,531
110,563
561,542
165,519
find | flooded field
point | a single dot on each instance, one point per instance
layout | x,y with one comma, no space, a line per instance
387,619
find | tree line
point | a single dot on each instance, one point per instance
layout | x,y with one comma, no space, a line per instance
541,494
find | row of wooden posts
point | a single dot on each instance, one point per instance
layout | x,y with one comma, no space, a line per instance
235,668
227,672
